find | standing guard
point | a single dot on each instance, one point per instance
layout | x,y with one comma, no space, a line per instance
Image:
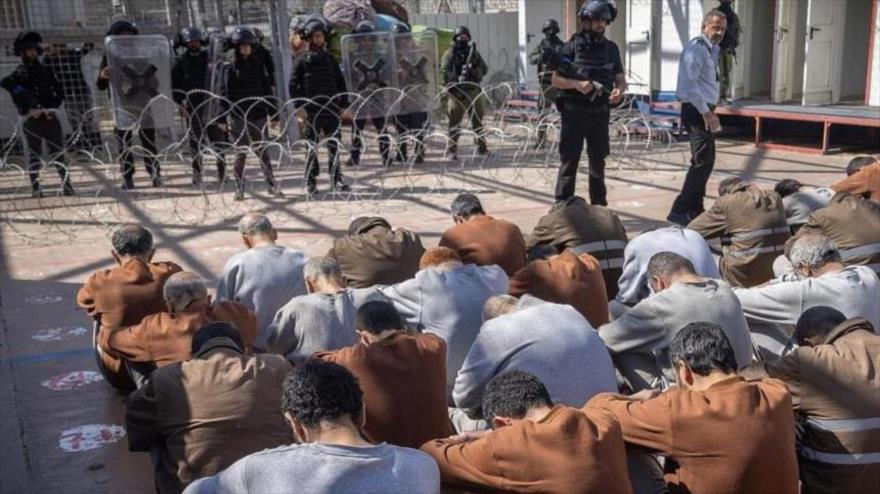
462,70
547,98
417,80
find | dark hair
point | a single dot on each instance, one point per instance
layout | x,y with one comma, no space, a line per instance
320,390
541,251
377,316
664,264
727,185
787,187
465,205
817,321
213,330
703,346
857,163
132,239
513,394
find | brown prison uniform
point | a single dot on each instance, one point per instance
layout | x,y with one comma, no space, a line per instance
735,437
484,240
205,414
753,229
166,338
120,297
854,225
566,279
866,182
377,255
567,452
403,378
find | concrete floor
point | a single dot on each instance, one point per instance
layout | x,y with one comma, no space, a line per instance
49,247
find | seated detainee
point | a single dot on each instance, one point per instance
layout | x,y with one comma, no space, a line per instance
752,226
446,298
552,341
535,446
265,276
166,337
585,229
200,416
639,339
819,278
639,251
719,433
123,295
402,374
323,405
853,223
375,254
834,380
862,178
482,239
321,320
564,279
800,201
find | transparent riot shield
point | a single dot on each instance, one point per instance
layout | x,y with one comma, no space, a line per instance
218,68
368,62
140,81
417,71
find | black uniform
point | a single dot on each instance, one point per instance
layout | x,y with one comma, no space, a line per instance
318,79
125,137
189,78
248,78
586,57
66,64
34,86
545,76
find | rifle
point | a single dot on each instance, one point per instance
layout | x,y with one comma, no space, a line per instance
555,62
466,68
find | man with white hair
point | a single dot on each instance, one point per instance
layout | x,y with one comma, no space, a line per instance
164,338
820,278
322,320
266,275
446,298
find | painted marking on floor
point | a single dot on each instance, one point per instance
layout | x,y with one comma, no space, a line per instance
90,436
72,380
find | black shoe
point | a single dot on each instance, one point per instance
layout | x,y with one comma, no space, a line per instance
483,151
239,195
680,219
352,162
311,190
197,180
67,190
275,191
157,181
128,184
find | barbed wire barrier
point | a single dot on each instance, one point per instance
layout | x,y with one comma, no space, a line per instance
514,161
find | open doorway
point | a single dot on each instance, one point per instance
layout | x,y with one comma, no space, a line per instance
856,41
756,55
789,50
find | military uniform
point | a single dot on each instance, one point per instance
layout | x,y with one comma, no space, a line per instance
586,117
547,98
728,47
464,97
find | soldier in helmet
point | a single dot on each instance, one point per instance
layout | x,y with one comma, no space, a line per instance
411,125
189,81
462,69
547,98
249,90
36,92
378,120
319,85
728,48
589,76
125,137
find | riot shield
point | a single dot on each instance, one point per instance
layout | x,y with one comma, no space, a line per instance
140,81
368,62
218,67
417,72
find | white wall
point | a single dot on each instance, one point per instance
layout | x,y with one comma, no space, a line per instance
496,35
874,98
856,34
680,21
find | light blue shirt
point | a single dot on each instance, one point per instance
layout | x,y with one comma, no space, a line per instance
698,74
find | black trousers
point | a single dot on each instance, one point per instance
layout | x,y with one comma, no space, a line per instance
36,132
412,125
357,138
124,139
325,124
581,123
251,131
201,137
690,201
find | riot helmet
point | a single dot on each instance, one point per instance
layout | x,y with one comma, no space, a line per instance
189,34
121,27
598,9
364,27
550,25
400,28
243,35
460,31
25,40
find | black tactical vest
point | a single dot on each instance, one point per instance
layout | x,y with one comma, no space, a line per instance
592,60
